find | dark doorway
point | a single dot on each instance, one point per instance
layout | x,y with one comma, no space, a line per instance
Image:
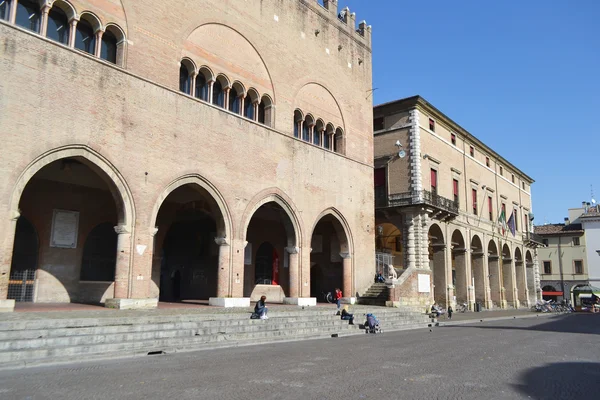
100,254
326,273
267,261
189,264
24,262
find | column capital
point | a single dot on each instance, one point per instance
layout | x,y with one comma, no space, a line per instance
345,255
153,231
293,249
121,230
222,241
14,215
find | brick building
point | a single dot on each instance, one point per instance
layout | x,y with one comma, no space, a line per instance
184,150
439,195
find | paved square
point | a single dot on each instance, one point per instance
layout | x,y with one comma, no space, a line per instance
554,357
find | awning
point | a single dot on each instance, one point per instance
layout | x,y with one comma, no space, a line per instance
585,295
552,293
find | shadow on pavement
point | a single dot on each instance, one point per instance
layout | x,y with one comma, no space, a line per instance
576,380
572,323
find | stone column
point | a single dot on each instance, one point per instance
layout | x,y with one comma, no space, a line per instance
226,98
44,20
72,32
230,277
462,276
255,104
495,279
242,105
193,84
210,85
478,272
441,289
410,248
508,281
98,48
347,273
294,271
123,265
223,274
13,12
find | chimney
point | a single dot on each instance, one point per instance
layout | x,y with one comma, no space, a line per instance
567,222
583,204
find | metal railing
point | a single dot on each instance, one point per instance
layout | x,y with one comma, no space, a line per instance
382,260
20,285
414,198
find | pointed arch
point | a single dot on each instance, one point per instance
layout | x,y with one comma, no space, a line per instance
293,229
99,164
342,228
224,227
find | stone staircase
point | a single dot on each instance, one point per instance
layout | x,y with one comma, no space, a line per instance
376,295
47,340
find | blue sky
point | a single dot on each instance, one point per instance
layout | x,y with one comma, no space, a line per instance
522,76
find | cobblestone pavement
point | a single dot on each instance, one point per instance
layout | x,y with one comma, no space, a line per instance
539,358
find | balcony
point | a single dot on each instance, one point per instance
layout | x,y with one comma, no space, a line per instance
533,240
442,207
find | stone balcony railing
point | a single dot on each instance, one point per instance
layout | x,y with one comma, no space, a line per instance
419,197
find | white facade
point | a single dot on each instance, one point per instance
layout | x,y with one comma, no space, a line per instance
591,225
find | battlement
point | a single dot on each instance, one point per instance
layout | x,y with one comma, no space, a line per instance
345,18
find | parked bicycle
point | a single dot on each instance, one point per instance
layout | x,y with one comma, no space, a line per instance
464,307
327,297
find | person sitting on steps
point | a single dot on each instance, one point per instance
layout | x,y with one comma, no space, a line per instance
260,309
346,316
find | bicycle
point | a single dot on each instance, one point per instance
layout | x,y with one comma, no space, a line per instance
462,308
327,297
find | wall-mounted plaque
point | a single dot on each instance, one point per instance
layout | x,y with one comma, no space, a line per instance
424,282
65,226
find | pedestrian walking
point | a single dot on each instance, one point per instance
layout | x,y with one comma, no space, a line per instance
450,311
338,299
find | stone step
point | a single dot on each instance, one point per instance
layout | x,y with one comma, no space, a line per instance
90,324
166,350
170,343
125,327
99,338
48,322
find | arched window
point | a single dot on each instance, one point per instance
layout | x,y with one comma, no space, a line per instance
85,38
184,79
100,254
318,132
338,142
307,128
328,137
249,102
218,94
297,123
5,9
234,101
58,26
202,79
265,110
28,15
108,51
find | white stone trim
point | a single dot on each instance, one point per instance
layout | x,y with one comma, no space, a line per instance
415,151
7,305
131,304
301,301
229,302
